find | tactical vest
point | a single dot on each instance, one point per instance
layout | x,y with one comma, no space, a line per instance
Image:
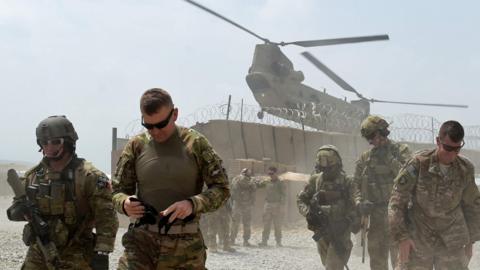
383,165
56,195
243,190
338,209
167,172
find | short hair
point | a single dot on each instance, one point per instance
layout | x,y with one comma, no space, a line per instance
273,169
153,99
453,129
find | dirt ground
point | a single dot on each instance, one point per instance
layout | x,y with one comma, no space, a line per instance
299,251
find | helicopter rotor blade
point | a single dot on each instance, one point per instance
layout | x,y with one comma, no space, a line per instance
417,103
343,84
335,41
226,19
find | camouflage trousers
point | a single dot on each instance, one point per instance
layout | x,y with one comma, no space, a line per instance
75,257
272,213
145,250
241,213
218,223
330,257
379,243
435,256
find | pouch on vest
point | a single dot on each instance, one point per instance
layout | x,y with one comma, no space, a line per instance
57,194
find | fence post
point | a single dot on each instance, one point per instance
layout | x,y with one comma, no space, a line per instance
228,106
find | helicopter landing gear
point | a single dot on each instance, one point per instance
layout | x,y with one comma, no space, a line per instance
260,115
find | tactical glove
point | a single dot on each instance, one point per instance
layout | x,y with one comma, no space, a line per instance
365,208
99,261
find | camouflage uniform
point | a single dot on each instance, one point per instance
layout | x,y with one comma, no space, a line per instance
64,199
440,213
219,224
275,193
332,198
379,166
146,249
243,196
71,226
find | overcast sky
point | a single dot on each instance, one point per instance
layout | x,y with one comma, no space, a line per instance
91,60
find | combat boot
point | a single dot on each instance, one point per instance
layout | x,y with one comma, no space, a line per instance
228,249
279,244
262,244
246,243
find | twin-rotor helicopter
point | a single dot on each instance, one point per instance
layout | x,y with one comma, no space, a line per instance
279,90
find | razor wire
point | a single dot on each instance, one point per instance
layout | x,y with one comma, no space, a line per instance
318,117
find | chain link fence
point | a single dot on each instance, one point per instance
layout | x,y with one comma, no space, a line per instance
404,127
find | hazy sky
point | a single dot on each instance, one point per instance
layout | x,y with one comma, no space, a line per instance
91,60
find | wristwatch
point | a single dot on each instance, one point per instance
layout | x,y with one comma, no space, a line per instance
102,252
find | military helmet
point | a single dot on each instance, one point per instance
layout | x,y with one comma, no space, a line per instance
327,156
372,124
57,126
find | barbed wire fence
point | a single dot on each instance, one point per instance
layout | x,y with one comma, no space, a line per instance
403,127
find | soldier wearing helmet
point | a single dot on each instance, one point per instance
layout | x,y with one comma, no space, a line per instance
243,196
72,198
373,181
327,204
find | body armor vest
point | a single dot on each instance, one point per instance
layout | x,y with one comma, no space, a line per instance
167,173
56,196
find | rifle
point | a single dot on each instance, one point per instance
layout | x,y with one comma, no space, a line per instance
365,220
25,208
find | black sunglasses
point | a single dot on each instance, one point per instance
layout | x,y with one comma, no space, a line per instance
160,124
450,148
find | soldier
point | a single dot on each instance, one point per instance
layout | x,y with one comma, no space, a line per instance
66,198
373,182
243,196
327,204
166,167
219,224
434,211
273,208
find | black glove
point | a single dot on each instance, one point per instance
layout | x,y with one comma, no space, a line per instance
365,208
99,261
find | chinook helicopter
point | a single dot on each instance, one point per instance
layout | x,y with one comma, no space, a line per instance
279,90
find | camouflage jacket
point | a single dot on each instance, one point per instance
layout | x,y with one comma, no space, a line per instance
243,190
275,191
92,206
427,206
210,170
376,169
339,208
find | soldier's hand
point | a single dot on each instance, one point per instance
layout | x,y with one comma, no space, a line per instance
181,210
404,249
365,208
133,209
99,262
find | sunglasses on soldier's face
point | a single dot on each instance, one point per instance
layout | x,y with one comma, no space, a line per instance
57,141
160,124
450,148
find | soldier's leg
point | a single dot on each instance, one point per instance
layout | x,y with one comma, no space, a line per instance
34,259
336,261
237,215
277,225
448,259
378,247
185,251
267,224
247,223
322,248
140,252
